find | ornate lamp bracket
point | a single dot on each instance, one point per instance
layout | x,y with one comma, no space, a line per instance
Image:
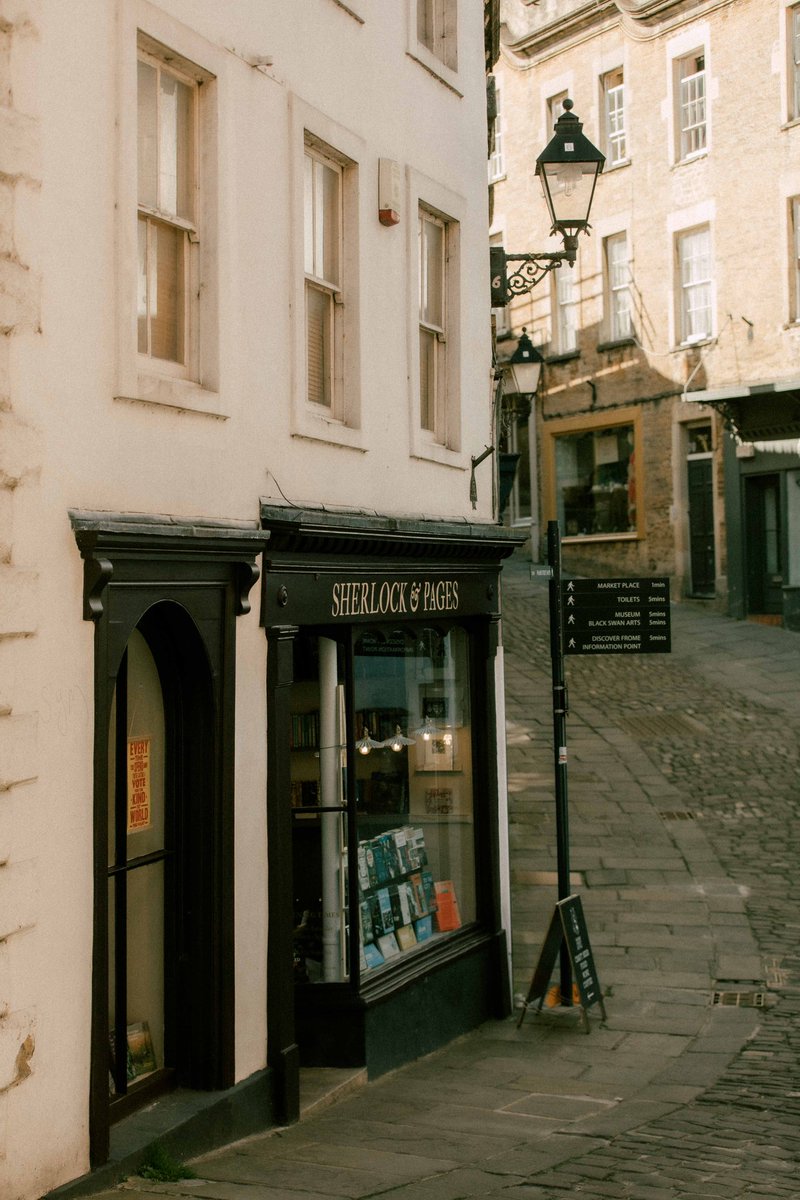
531,271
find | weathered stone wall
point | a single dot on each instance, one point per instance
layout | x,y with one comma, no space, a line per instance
20,451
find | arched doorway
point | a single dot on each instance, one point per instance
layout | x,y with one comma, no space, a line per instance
161,830
164,599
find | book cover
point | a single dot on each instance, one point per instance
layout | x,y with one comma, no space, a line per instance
418,893
417,851
381,870
140,1047
406,938
424,928
403,894
385,902
402,850
397,908
429,889
388,945
363,870
447,914
375,916
367,928
373,956
390,855
372,866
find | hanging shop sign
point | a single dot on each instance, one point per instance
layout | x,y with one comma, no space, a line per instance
321,597
138,784
616,616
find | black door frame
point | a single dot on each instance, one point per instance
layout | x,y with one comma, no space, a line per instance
206,573
753,524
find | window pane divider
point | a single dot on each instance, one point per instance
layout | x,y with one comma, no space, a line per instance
144,860
167,218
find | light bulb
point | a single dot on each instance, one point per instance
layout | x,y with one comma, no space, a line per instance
569,176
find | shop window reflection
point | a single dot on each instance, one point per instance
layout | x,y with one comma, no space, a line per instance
412,790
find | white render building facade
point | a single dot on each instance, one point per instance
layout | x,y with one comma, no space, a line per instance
249,609
680,318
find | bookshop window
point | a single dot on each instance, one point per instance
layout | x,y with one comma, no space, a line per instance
596,481
412,790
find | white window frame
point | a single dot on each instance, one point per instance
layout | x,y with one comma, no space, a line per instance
614,131
794,260
185,226
618,306
694,284
195,385
433,413
444,65
565,299
793,61
443,443
497,165
691,105
317,283
340,424
555,109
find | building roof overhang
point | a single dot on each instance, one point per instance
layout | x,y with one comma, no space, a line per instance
756,412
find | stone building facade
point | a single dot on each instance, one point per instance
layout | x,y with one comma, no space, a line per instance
679,322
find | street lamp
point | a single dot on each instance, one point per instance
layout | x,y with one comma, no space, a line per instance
520,376
568,168
524,368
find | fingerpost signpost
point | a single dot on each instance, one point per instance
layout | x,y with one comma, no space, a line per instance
587,616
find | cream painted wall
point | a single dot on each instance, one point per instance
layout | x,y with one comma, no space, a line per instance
67,442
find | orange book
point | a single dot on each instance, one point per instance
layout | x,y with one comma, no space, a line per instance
447,916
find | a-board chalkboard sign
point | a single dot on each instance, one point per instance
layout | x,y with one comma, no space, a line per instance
567,925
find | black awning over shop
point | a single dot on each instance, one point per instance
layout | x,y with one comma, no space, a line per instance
759,413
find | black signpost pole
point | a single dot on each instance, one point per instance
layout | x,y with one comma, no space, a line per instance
559,738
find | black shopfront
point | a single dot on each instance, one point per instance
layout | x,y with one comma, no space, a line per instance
385,930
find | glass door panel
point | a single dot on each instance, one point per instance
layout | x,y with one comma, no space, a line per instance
138,855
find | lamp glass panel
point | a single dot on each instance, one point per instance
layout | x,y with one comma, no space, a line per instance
524,378
568,191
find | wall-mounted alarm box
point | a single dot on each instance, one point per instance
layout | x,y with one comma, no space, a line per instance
390,184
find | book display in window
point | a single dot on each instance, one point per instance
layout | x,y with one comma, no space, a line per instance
399,896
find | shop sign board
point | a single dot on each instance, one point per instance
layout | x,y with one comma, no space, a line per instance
331,597
568,928
616,616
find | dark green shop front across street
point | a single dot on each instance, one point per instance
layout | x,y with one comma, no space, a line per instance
762,498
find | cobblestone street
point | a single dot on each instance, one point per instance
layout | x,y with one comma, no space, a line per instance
723,739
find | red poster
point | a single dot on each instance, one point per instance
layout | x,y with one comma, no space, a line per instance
138,784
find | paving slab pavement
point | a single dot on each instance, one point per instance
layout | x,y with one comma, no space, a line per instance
684,787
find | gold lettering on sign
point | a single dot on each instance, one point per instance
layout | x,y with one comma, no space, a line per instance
138,784
356,598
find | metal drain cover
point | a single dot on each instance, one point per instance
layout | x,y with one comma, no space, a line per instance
653,726
734,994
